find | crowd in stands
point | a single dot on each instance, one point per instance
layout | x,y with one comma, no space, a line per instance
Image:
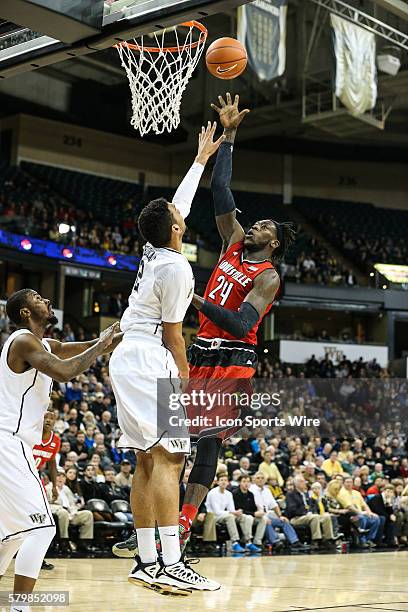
290,491
315,265
102,214
365,233
323,368
36,199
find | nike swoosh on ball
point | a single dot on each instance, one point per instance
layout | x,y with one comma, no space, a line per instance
222,70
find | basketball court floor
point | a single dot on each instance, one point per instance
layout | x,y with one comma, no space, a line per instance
347,583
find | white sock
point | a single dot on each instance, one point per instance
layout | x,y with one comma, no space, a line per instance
170,543
147,544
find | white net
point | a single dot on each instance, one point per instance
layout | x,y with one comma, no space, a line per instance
159,75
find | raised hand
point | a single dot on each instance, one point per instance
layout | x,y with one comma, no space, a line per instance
206,144
229,113
107,336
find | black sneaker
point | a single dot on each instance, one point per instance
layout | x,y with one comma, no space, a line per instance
47,566
181,579
143,574
127,549
299,546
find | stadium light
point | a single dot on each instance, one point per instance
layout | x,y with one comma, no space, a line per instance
371,273
266,351
112,260
67,253
63,228
26,244
384,286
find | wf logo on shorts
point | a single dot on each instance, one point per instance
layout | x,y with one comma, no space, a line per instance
38,519
180,444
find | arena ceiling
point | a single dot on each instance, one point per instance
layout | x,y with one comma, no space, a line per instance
98,96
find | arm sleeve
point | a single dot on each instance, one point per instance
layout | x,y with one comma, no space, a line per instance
238,324
184,196
176,293
221,180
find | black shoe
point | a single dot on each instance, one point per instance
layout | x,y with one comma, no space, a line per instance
315,545
329,545
64,547
127,549
278,547
299,546
47,566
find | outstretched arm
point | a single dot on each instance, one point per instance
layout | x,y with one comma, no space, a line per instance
27,348
184,196
65,350
238,324
224,204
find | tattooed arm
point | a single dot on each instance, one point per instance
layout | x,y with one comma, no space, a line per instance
28,349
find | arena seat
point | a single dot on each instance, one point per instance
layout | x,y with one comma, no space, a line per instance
103,530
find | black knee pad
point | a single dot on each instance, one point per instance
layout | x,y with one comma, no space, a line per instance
205,464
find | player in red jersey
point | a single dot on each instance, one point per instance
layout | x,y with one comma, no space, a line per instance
44,453
240,292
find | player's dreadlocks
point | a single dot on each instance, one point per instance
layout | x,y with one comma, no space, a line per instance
286,234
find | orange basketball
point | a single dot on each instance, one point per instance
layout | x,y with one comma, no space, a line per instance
226,58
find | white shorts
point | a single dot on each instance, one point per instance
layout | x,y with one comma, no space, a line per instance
23,501
135,367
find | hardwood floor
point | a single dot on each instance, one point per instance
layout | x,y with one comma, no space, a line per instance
373,581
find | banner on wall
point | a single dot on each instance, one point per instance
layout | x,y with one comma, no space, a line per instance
262,31
356,72
295,351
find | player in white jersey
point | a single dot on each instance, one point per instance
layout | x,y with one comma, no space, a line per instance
28,364
153,352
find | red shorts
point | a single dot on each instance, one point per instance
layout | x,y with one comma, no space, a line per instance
220,376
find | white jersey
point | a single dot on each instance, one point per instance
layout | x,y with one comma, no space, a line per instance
162,291
24,398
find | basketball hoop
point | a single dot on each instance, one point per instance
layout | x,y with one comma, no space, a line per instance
159,75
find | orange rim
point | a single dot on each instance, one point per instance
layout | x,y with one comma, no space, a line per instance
188,24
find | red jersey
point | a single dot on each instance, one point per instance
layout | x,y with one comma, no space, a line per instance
230,283
45,451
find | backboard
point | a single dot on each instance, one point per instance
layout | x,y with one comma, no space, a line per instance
22,49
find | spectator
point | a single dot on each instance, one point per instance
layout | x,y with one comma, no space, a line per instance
220,502
352,500
110,491
244,500
124,478
79,447
299,513
382,504
73,392
105,425
332,466
270,512
89,486
69,511
98,406
346,518
270,469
